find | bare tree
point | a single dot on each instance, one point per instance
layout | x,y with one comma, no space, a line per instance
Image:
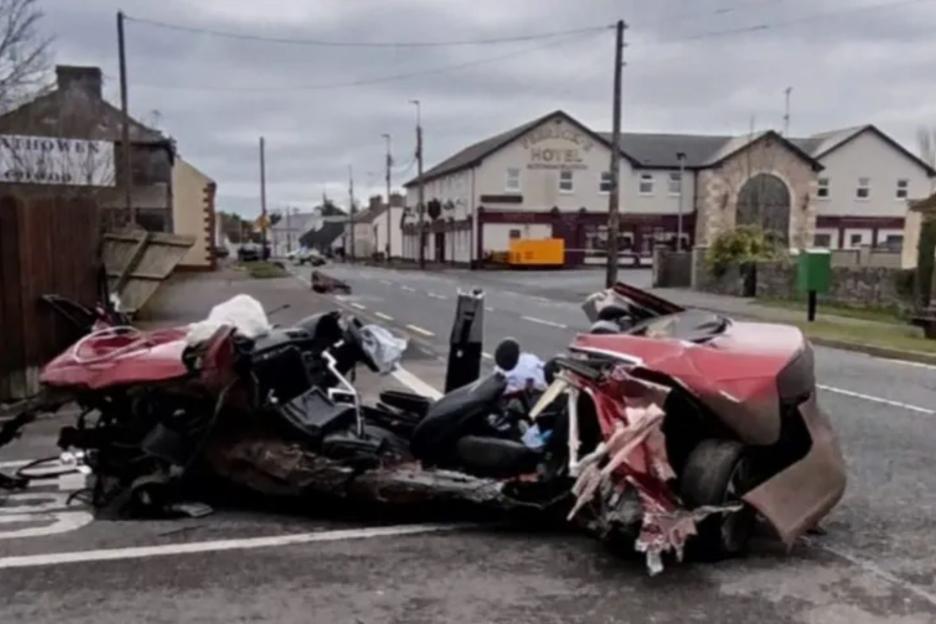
24,52
926,141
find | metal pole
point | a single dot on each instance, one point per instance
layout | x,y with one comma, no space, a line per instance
614,217
125,124
786,112
263,210
288,232
351,207
421,208
389,208
681,157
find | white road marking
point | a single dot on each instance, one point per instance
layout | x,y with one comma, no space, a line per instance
358,306
486,355
533,319
139,552
420,330
57,522
435,296
874,399
907,363
386,282
385,317
407,289
876,570
415,384
489,308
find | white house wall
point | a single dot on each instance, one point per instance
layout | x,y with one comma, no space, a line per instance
869,156
497,235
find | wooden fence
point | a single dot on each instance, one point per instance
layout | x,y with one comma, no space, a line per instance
48,245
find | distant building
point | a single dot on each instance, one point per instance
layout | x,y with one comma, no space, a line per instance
549,178
371,226
285,234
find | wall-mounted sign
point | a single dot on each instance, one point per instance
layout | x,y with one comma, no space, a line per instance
52,160
564,148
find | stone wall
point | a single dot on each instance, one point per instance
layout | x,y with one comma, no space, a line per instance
671,269
855,286
718,187
734,281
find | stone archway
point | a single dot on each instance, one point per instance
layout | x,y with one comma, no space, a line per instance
764,200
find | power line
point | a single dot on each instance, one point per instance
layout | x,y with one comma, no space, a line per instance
366,81
363,44
793,21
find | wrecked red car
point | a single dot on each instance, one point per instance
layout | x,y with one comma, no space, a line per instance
668,427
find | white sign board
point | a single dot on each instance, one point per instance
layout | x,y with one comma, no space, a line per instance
52,160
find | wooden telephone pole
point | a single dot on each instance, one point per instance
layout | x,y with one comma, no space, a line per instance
614,217
125,125
421,208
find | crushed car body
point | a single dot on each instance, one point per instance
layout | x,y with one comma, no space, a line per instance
670,429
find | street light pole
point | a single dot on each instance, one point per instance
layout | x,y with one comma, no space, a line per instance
421,193
125,124
614,217
389,210
263,207
351,206
681,157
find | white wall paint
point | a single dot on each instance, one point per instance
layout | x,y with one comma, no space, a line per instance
497,235
869,156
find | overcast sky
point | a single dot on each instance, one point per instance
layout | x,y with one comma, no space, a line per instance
846,67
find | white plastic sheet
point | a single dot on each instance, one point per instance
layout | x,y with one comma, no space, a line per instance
383,347
242,312
529,370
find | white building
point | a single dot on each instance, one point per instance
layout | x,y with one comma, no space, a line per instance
549,179
372,225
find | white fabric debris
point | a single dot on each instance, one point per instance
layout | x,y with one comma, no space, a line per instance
529,370
384,348
242,312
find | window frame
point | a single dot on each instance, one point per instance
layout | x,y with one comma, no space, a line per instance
601,183
827,235
820,187
507,178
866,187
646,177
903,185
571,189
677,177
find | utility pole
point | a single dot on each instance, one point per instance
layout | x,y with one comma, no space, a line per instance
263,210
288,232
389,210
681,157
351,208
786,113
614,217
421,208
125,124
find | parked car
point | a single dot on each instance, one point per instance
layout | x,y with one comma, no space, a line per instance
248,252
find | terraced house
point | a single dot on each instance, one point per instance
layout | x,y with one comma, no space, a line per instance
549,178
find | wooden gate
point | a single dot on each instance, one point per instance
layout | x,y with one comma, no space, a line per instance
47,245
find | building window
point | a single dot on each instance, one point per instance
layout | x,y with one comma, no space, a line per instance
894,242
513,180
605,185
646,184
515,234
566,183
864,188
822,192
675,183
822,240
903,187
855,240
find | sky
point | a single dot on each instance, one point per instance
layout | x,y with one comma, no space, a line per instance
701,66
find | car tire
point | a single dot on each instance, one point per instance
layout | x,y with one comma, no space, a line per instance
715,473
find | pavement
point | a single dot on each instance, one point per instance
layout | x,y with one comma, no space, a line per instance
874,562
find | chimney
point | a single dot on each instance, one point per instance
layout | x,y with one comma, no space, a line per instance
85,79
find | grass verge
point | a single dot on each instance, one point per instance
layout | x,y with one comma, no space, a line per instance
264,269
880,315
898,337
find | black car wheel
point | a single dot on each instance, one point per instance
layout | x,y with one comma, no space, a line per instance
716,473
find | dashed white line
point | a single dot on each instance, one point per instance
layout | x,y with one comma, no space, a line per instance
420,330
486,355
139,552
436,296
489,308
533,319
407,289
358,306
415,384
874,399
386,282
385,317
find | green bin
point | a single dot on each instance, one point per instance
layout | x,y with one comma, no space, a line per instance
814,271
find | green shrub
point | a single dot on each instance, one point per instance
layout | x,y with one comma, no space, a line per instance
926,248
744,245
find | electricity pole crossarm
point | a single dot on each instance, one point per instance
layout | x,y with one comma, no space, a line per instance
614,217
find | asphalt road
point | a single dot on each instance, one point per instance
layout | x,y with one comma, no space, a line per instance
875,562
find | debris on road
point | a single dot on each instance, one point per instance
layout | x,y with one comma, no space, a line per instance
324,284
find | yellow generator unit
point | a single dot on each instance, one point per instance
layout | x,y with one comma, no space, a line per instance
539,252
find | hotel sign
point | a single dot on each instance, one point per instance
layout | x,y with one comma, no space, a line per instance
557,146
51,160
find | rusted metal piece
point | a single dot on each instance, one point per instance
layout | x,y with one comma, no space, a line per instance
324,284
